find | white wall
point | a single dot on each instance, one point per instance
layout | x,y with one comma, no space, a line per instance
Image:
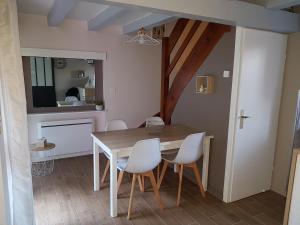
285,133
131,73
210,113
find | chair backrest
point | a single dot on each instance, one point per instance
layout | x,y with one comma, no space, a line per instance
115,125
154,121
191,149
144,157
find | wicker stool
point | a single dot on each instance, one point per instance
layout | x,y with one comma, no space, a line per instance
45,167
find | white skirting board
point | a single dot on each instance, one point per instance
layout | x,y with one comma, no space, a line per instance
71,137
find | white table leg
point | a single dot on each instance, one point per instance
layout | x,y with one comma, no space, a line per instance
96,166
113,185
175,168
205,162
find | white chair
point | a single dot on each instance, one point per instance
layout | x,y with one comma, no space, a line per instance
189,153
154,121
115,125
111,126
144,157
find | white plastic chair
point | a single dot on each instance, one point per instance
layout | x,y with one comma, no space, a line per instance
115,125
154,121
189,153
111,126
151,122
144,158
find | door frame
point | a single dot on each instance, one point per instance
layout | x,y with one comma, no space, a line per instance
239,37
233,114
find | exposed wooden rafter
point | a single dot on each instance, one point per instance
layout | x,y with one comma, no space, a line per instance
195,44
59,11
281,4
148,21
104,18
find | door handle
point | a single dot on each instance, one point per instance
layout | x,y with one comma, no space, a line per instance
245,117
242,118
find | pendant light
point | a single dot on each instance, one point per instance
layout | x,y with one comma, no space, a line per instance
143,39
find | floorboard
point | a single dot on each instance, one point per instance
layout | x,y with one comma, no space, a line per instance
67,198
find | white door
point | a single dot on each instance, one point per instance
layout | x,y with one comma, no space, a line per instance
255,101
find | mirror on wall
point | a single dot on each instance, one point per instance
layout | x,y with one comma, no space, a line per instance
62,82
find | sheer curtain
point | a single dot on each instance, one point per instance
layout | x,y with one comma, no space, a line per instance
14,118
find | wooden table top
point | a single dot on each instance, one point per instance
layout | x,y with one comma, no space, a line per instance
127,138
47,147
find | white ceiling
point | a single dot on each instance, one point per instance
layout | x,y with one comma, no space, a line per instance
99,15
85,10
258,2
88,10
40,7
274,4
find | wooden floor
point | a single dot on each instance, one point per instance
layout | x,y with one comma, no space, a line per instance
67,197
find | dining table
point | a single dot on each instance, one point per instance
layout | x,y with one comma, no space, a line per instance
120,143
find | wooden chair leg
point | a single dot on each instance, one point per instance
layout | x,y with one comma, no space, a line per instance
105,171
180,184
157,172
120,178
163,171
131,195
155,189
198,179
141,183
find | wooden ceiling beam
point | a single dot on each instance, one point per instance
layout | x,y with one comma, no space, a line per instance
148,21
104,18
59,11
281,4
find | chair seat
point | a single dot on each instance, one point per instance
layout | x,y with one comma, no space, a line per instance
122,163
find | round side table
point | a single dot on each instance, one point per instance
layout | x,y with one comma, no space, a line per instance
45,167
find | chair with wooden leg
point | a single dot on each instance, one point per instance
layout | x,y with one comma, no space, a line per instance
189,153
154,121
112,126
144,158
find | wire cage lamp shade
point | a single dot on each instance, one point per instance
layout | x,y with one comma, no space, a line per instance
143,39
